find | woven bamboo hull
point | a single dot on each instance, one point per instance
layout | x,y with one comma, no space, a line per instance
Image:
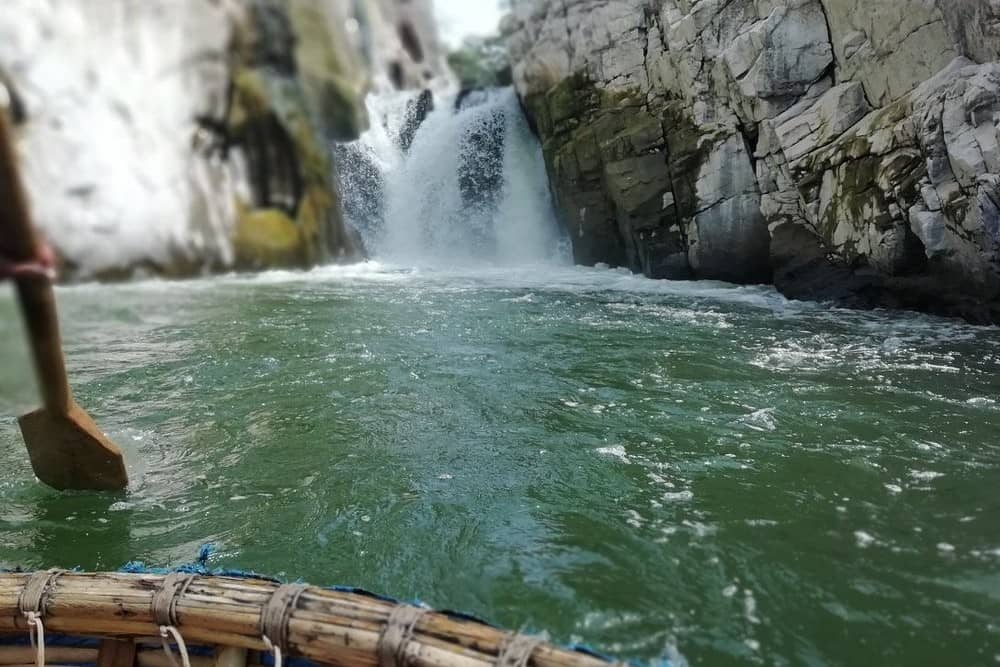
344,629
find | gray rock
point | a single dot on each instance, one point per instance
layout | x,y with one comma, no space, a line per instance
975,27
848,147
889,47
782,54
728,235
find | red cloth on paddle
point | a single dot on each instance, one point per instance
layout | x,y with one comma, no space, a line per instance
43,266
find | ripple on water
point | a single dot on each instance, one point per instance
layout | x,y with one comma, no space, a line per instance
643,466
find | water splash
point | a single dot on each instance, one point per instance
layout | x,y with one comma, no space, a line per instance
472,187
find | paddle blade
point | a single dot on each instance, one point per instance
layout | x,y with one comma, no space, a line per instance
69,452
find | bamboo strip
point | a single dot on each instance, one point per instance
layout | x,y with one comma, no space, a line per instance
16,655
116,653
330,627
160,659
231,657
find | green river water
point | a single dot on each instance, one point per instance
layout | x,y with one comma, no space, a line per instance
650,468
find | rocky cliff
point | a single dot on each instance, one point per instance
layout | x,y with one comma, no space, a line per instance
844,149
178,137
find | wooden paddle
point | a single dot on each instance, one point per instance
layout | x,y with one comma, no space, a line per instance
66,448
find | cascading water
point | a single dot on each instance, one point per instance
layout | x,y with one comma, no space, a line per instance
471,187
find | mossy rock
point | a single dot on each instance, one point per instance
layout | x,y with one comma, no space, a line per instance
538,114
571,99
332,75
297,83
251,98
621,98
314,157
626,135
314,212
343,116
267,238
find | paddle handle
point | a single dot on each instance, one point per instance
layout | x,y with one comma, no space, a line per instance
18,243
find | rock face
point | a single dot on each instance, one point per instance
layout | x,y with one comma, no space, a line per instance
845,149
401,40
181,137
294,83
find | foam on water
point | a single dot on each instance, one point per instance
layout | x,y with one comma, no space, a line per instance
542,277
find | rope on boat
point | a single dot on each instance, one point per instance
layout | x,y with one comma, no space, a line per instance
164,608
275,617
275,650
35,594
167,631
517,650
164,605
32,603
338,626
391,648
35,622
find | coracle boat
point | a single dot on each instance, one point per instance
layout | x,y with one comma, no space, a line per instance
203,620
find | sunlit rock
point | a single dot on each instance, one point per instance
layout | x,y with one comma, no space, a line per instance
846,148
147,129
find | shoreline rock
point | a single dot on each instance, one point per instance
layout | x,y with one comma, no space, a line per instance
844,150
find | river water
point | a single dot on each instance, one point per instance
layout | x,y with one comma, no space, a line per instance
650,468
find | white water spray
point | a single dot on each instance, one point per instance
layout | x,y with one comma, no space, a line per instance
471,189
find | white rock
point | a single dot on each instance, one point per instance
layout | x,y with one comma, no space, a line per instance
119,171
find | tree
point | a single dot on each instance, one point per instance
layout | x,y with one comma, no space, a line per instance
481,62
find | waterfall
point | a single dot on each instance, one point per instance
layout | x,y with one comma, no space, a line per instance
471,188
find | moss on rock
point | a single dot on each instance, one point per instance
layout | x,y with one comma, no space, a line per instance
267,238
330,72
296,85
250,98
